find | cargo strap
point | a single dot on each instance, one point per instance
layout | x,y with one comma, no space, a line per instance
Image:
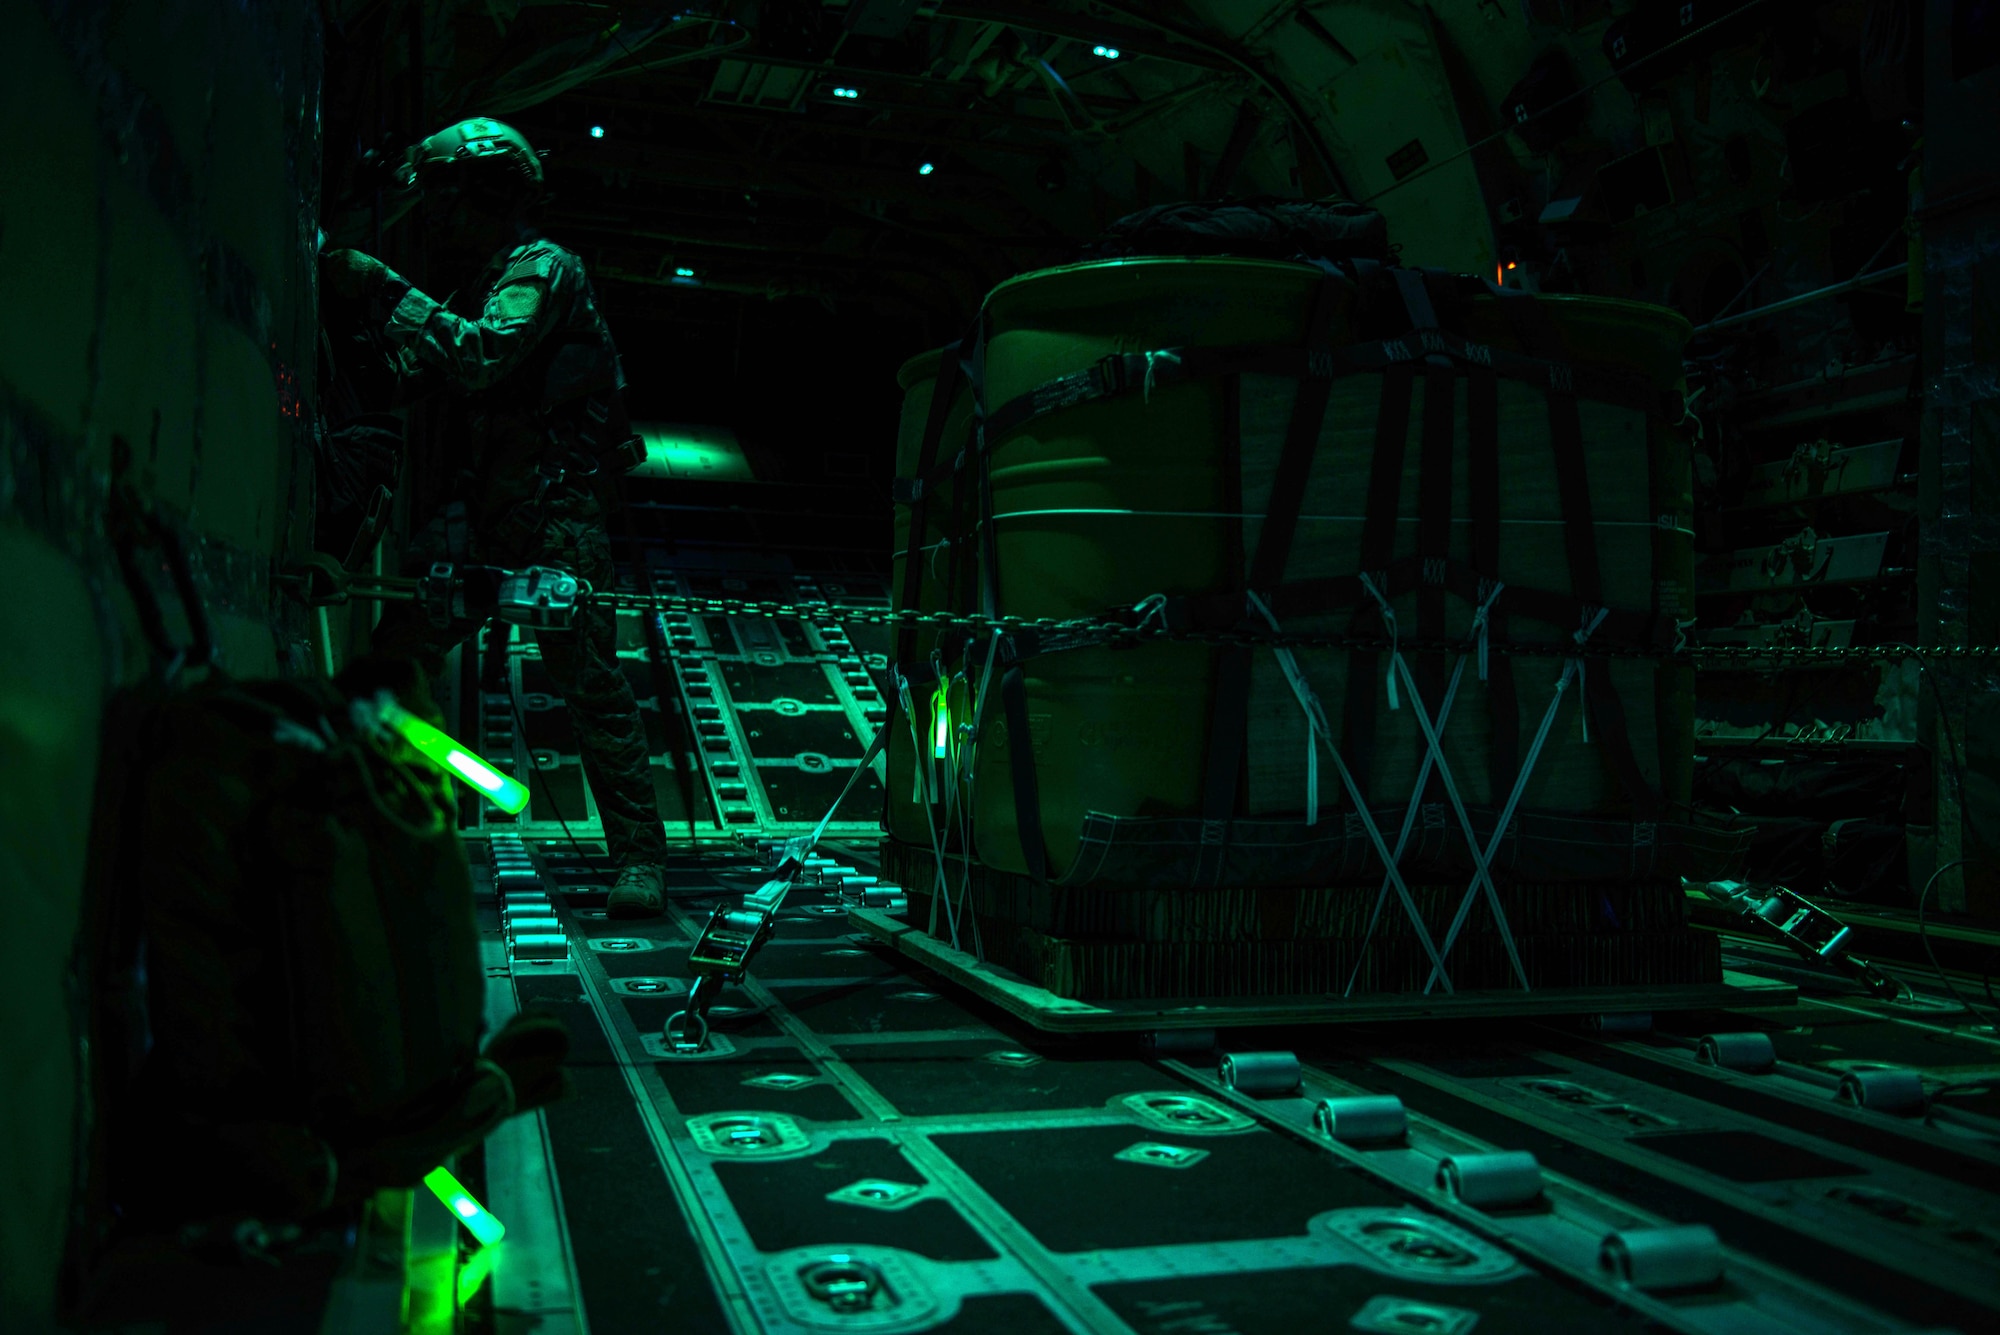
1600,701
1435,461
1483,860
1229,722
1317,729
1433,755
1378,543
1630,629
733,936
1150,372
1158,369
1005,654
925,767
943,392
1434,761
1482,429
1426,345
1021,766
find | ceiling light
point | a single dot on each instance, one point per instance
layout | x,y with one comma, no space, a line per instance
847,92
1108,52
597,132
926,169
683,273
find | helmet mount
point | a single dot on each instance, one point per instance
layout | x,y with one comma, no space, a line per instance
477,156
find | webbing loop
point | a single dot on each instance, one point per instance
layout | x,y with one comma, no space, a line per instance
1309,705
1590,625
1489,589
1388,624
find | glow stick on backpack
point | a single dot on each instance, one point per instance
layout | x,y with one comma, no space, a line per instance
504,791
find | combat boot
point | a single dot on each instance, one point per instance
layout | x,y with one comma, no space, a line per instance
639,892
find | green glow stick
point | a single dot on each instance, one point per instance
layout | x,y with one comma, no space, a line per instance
478,1222
504,791
941,743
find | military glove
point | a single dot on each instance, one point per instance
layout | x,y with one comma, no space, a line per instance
351,275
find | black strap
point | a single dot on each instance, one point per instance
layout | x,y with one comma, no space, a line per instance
1482,427
1288,485
1013,676
1573,491
943,391
1607,716
956,566
1021,766
1378,547
1601,700
1624,629
1229,723
1434,522
1140,372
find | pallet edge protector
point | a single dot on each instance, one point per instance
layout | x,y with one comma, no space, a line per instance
1044,1010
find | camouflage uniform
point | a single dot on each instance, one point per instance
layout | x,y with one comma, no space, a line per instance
536,375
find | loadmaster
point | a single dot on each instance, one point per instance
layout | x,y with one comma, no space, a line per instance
535,424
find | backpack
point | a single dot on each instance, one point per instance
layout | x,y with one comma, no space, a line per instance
278,971
1272,229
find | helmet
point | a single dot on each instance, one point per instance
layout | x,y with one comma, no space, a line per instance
479,154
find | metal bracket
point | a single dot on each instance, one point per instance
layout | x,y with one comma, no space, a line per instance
1807,928
539,596
721,956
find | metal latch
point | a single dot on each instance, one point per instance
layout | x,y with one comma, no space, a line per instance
539,596
1801,924
721,956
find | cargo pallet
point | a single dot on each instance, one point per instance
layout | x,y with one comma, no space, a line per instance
1063,1015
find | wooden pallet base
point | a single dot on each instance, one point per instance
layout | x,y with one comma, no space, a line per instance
1047,1011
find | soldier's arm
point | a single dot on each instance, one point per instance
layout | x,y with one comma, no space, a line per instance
475,354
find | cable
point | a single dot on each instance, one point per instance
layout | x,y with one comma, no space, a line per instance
1923,935
743,38
1561,102
521,722
1273,85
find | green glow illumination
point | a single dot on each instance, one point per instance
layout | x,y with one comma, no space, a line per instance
509,794
941,734
692,453
472,1275
478,1222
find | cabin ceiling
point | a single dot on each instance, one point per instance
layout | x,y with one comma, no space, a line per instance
778,148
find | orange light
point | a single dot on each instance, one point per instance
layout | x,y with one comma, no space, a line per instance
1499,276
1510,264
